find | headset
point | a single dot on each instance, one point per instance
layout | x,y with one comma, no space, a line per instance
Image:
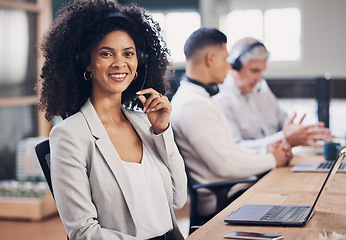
211,88
82,59
142,57
236,64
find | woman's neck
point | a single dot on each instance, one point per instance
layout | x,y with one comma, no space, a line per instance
108,109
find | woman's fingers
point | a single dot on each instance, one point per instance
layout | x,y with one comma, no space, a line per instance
154,102
157,107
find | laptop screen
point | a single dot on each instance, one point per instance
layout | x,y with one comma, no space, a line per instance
330,174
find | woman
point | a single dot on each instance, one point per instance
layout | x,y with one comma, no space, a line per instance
116,171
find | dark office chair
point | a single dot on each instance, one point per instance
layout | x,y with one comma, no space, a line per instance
43,154
220,189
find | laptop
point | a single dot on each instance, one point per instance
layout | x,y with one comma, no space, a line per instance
317,167
281,215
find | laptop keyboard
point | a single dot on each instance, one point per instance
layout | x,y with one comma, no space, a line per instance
285,213
327,165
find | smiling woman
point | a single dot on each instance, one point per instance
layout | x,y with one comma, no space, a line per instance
114,63
126,172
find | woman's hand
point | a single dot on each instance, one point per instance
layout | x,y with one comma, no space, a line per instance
157,107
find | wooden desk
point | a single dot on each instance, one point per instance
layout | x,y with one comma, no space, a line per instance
281,186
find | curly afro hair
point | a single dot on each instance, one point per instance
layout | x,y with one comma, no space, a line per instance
66,48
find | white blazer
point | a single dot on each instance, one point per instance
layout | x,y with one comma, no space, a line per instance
91,189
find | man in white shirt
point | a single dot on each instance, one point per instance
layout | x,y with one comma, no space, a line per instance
201,130
252,110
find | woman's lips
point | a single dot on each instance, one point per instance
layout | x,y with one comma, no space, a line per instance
118,76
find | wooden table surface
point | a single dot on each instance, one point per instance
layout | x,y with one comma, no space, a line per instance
281,186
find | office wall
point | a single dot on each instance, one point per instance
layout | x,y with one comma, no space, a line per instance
323,40
323,34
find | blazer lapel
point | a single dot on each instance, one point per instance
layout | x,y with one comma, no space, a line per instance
108,152
140,124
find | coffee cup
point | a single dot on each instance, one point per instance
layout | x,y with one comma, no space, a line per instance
331,150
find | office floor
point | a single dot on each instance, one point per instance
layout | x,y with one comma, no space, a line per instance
52,228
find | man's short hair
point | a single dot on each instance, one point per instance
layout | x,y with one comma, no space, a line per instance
201,38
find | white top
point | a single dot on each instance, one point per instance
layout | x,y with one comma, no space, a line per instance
206,142
256,119
151,205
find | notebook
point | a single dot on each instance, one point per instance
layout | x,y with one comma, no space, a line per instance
281,215
317,167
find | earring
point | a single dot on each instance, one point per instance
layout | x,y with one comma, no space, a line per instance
85,76
136,75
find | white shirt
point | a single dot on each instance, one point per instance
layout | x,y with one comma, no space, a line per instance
205,140
151,204
256,119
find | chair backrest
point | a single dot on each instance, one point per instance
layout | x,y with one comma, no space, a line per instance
43,154
195,218
42,150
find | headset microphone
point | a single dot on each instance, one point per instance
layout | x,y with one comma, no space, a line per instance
260,86
144,79
82,59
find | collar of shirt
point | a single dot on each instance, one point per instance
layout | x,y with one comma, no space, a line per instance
195,88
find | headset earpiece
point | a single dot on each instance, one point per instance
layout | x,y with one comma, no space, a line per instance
81,60
236,64
142,58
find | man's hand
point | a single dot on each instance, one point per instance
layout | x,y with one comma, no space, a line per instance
282,152
300,135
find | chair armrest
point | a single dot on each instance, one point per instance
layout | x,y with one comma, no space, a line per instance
223,184
221,189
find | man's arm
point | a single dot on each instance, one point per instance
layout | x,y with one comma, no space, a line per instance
208,132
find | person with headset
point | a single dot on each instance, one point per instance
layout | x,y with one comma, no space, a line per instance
252,110
201,130
115,168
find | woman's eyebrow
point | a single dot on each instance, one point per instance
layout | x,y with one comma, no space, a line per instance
112,49
106,48
129,48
